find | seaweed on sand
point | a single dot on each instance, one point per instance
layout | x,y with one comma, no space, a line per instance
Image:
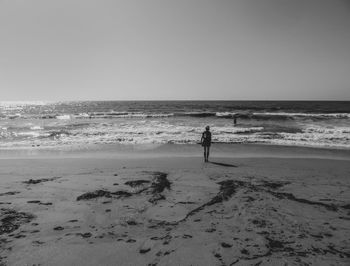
11,220
37,181
103,193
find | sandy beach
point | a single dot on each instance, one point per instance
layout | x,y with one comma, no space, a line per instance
108,110
165,207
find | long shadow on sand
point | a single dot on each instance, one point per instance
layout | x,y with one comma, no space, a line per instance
224,164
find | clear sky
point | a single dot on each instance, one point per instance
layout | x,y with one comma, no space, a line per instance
179,49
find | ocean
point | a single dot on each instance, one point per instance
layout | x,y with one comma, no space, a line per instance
79,123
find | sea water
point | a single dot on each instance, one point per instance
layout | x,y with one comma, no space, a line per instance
62,124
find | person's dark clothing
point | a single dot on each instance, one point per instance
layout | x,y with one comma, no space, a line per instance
206,138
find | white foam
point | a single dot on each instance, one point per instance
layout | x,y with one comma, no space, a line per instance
235,129
124,115
36,128
11,103
159,131
13,116
34,134
225,114
319,115
82,115
63,117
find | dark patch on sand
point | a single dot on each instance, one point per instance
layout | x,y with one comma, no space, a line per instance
158,185
185,202
136,183
290,196
84,235
131,222
160,182
155,198
226,245
19,236
275,184
9,193
280,195
103,193
144,250
223,164
39,202
38,242
347,206
227,189
276,245
37,181
121,194
11,220
94,194
340,252
45,203
259,223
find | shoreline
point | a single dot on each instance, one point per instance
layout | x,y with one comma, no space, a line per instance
178,150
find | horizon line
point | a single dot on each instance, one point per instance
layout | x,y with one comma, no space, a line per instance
176,100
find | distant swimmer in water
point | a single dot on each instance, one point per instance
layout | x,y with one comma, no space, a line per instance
206,142
235,119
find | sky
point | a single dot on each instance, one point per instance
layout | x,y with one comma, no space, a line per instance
174,50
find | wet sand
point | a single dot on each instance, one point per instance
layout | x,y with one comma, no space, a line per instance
166,208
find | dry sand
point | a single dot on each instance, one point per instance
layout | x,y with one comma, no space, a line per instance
171,209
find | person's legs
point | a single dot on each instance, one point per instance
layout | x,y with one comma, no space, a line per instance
206,153
208,148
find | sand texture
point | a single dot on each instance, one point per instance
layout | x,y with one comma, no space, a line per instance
174,211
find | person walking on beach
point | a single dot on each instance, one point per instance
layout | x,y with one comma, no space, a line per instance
206,141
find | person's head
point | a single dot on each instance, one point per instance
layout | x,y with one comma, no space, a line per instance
207,128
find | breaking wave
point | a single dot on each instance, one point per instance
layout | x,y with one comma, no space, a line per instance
80,123
161,133
228,115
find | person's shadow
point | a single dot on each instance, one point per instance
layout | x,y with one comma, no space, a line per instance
223,164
